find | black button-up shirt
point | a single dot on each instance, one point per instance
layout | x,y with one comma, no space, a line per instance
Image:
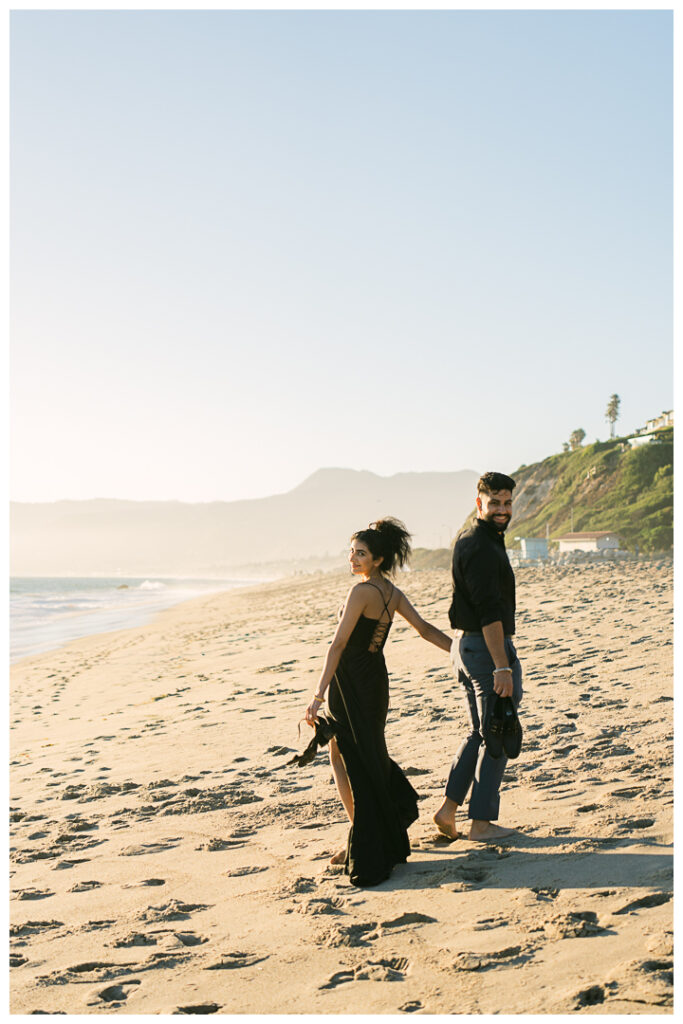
483,580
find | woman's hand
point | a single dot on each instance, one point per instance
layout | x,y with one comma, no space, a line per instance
312,711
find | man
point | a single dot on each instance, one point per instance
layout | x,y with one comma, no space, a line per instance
484,657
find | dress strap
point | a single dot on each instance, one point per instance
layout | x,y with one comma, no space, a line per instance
386,606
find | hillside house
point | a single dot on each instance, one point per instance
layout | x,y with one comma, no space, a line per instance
597,540
649,432
665,420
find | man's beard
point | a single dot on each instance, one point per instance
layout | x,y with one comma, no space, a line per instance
500,526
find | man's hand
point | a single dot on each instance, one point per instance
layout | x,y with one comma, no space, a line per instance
502,683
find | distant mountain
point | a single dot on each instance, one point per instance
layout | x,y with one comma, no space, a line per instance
307,525
605,486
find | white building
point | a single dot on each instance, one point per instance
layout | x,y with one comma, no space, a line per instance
665,420
649,432
533,547
598,540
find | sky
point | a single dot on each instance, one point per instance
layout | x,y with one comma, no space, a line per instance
246,245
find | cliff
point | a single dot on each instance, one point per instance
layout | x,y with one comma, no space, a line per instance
603,486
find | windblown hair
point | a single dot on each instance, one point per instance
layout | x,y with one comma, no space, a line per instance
388,539
490,482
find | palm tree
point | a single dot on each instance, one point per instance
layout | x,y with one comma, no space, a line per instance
612,412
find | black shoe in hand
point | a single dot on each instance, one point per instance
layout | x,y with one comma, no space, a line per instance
512,730
493,728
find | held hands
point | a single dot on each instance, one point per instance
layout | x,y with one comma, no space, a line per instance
502,682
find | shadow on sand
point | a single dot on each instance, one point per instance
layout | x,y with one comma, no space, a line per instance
516,865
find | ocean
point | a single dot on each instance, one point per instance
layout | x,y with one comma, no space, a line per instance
47,612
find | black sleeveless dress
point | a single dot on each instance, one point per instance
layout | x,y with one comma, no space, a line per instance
384,802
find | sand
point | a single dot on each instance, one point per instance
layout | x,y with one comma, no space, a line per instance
162,862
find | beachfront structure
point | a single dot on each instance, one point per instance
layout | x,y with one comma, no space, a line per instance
649,432
533,547
597,540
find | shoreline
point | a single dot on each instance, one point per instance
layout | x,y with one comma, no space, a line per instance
162,860
36,628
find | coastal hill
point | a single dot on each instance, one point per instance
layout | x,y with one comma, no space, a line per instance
305,528
608,485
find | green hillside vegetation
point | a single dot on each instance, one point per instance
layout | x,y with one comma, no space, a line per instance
608,485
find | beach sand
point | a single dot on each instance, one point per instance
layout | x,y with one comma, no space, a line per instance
163,862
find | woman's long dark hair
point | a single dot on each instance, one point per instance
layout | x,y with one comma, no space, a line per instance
388,539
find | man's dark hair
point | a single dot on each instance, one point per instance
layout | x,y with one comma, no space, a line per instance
490,482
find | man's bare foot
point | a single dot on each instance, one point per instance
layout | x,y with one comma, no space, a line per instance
446,826
486,831
339,858
444,819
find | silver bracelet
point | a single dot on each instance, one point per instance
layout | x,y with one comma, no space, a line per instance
501,670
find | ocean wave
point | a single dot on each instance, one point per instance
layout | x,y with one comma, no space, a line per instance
152,585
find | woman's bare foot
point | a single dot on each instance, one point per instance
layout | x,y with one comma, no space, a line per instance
485,831
339,858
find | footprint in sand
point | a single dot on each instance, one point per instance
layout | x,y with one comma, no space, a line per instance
635,823
143,848
486,924
591,996
174,910
164,961
659,970
350,935
85,886
249,870
93,926
189,938
575,925
235,961
33,928
653,899
200,1008
102,970
135,939
216,844
409,918
510,956
392,969
302,884
144,882
545,893
115,994
322,905
32,894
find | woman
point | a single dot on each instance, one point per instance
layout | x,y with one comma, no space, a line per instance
377,797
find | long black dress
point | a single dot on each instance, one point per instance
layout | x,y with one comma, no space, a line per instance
384,802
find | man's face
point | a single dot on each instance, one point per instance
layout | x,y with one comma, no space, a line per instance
495,508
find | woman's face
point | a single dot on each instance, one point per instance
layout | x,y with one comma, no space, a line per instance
361,559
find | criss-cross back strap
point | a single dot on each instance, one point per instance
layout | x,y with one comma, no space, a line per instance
382,628
386,606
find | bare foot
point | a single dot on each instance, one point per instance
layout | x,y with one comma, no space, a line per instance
339,858
446,826
486,831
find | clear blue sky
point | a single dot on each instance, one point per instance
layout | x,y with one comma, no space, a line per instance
246,245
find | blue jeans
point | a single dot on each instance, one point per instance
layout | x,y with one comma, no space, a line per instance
472,765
